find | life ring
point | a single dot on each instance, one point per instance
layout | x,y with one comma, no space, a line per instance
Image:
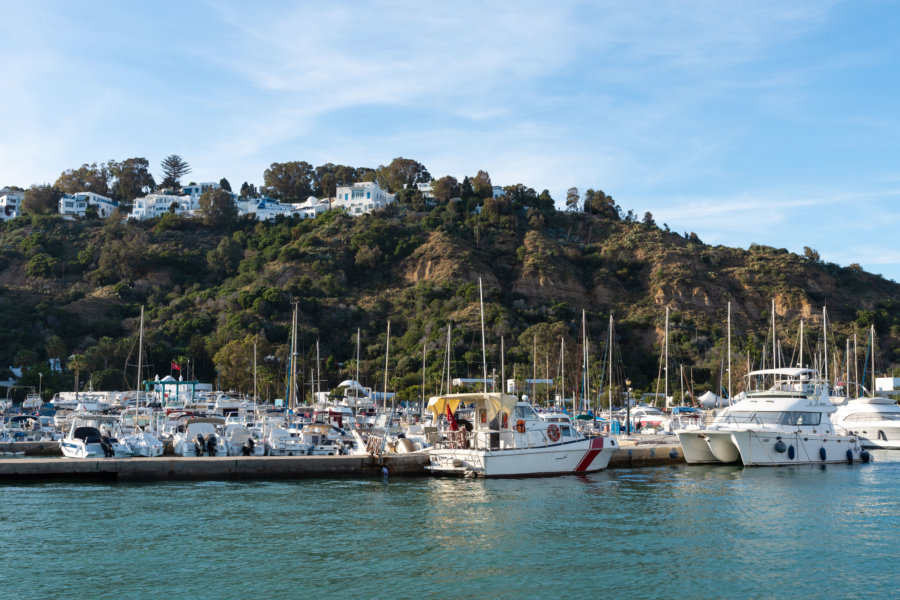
553,432
520,425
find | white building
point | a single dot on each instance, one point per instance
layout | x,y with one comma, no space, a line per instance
10,204
426,190
361,198
76,204
196,189
266,209
156,205
498,191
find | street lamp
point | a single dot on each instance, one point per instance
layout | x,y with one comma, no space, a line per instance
40,383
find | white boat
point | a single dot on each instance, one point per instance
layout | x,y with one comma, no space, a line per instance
94,437
876,421
242,441
281,442
785,421
144,444
199,437
509,439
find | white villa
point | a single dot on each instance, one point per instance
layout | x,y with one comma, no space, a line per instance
76,204
361,198
10,203
156,205
266,209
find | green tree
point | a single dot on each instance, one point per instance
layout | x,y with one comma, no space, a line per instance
572,199
598,203
290,181
55,347
481,185
41,200
87,178
132,179
223,183
41,265
224,259
217,209
174,168
445,188
402,173
234,362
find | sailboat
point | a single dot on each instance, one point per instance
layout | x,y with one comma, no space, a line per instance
141,442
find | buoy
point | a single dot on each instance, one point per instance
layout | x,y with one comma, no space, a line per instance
849,456
780,447
822,453
791,452
865,456
673,453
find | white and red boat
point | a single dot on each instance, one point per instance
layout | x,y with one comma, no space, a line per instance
507,438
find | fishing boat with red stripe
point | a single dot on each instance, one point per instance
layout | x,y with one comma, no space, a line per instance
507,438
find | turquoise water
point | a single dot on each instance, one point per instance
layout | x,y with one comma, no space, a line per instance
675,532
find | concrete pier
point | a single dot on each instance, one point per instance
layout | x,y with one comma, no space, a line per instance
209,468
174,468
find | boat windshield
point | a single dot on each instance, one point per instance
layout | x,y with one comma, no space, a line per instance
873,416
523,411
791,417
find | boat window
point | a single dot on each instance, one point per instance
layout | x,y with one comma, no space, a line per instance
871,416
566,431
801,418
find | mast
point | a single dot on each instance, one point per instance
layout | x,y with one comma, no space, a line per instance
483,351
824,343
422,406
255,340
774,345
873,360
666,364
502,367
387,353
609,382
856,365
292,373
534,367
562,366
729,352
801,344
584,355
137,400
448,358
318,372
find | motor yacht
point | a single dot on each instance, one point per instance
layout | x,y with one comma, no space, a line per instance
507,438
199,436
876,421
785,420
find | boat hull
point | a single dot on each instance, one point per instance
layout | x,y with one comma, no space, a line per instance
770,448
583,456
696,449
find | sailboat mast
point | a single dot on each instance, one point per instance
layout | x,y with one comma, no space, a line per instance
873,359
666,364
856,365
562,366
825,343
774,345
729,352
255,340
422,405
483,351
292,376
801,344
502,366
387,353
609,382
137,399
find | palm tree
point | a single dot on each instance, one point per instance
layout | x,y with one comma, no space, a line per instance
77,363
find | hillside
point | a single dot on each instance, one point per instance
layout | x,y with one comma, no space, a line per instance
76,288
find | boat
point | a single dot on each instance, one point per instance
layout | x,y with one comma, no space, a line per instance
94,436
242,441
507,438
281,442
876,421
786,420
199,436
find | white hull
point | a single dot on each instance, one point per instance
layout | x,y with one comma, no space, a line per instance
78,449
761,448
583,456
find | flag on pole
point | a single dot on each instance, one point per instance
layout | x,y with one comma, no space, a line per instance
176,366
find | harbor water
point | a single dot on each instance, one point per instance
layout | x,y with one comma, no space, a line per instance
666,532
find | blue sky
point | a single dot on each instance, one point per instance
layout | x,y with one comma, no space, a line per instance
766,122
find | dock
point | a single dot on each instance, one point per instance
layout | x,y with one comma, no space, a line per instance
39,467
214,468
